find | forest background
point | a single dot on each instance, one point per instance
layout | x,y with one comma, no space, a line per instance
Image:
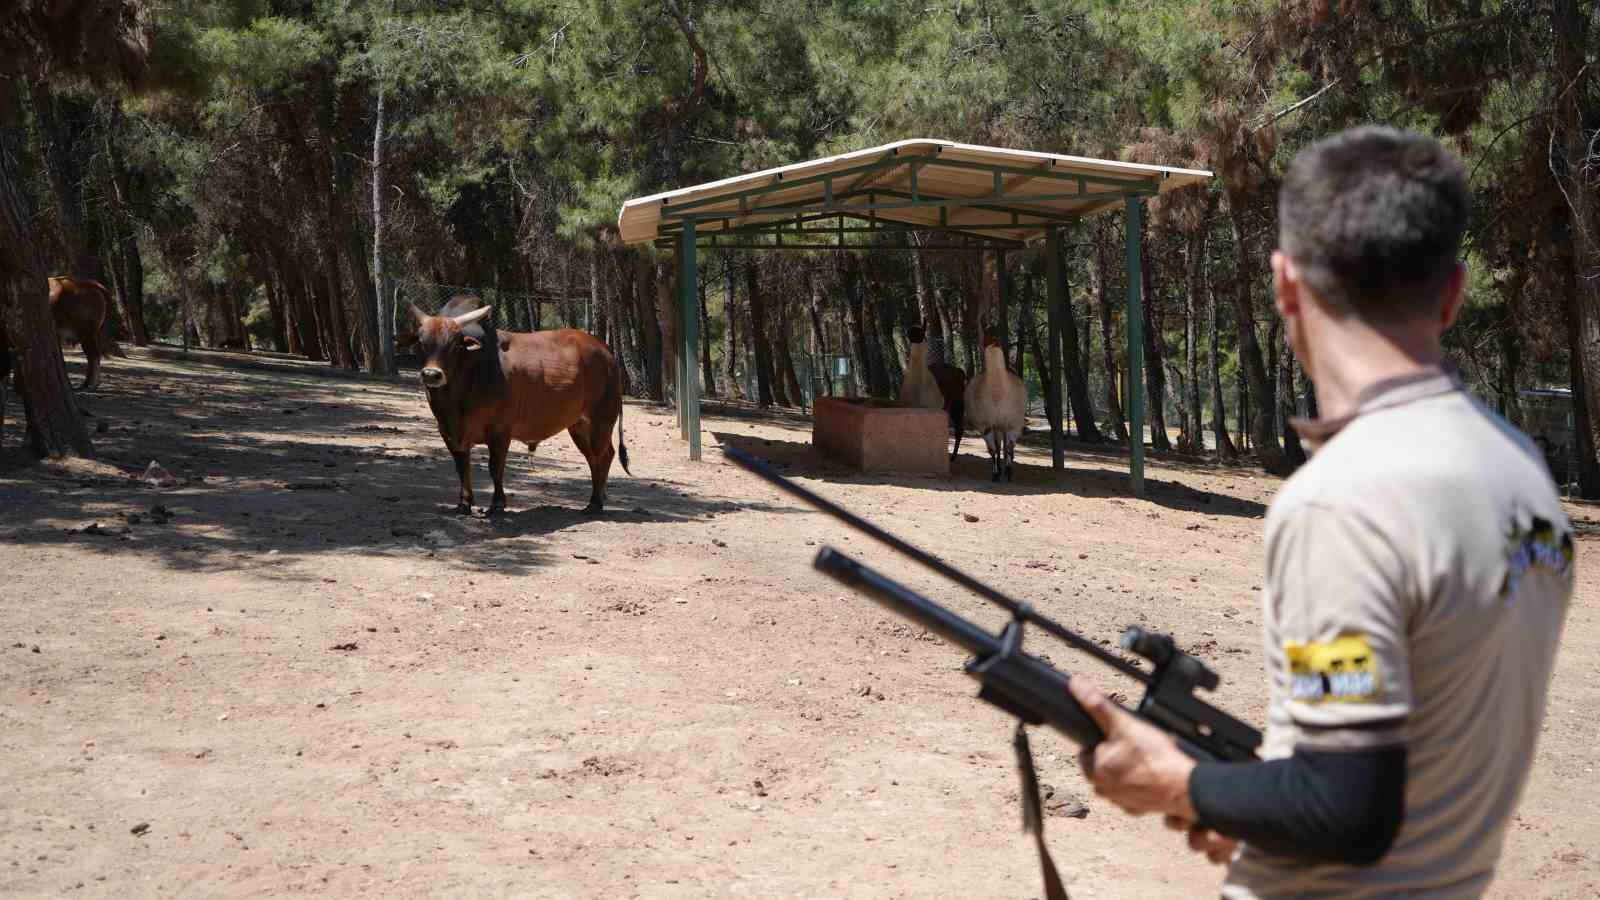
288,176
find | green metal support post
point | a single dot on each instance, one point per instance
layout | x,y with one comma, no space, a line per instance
688,324
677,336
1135,380
1055,292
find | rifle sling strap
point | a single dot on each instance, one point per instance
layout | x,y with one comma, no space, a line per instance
1033,815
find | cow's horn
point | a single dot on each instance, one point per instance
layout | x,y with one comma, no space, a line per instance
466,319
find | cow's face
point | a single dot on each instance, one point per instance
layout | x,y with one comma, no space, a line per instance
446,343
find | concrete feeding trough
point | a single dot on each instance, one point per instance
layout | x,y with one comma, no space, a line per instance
881,436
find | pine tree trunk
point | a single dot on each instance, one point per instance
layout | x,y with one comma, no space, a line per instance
1588,474
819,338
1097,274
1578,173
594,287
926,305
127,239
303,323
62,120
1076,364
730,309
1244,413
1511,340
972,308
332,302
338,129
1155,370
277,308
1219,410
761,340
780,385
1025,319
1292,450
667,322
786,357
647,326
708,373
1263,438
384,315
1194,252
54,428
853,323
1027,333
890,370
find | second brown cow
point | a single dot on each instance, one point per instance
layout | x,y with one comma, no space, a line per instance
494,387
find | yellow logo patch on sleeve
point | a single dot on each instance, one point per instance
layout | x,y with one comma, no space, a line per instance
1342,670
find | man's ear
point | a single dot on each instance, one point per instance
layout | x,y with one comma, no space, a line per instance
1286,285
1455,290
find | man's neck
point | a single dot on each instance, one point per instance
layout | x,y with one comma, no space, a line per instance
1357,356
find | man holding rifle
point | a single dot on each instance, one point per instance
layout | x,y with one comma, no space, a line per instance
1418,571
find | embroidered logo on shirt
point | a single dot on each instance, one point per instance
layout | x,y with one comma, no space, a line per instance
1340,670
1533,548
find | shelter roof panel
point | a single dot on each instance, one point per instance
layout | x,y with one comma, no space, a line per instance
920,183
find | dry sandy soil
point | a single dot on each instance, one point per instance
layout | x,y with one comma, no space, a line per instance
316,678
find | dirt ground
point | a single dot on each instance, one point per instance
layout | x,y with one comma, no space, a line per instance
315,678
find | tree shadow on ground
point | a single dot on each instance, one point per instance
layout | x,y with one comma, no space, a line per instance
1083,477
275,467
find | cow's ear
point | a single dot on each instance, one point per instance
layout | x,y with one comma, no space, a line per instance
471,342
419,315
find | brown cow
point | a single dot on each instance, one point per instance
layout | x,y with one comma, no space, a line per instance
494,387
79,306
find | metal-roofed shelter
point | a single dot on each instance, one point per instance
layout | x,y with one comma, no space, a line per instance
998,197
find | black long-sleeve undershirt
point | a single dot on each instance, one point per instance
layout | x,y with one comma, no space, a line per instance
1317,806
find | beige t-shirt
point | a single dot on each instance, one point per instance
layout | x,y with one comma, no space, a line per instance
1418,573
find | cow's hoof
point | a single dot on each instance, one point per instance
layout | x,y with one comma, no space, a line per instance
1008,475
594,509
995,477
463,509
496,511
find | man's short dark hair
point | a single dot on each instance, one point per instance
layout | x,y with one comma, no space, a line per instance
1374,217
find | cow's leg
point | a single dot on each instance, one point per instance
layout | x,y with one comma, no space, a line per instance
499,447
1011,452
463,460
91,352
583,437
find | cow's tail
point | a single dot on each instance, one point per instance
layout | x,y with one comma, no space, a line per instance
622,444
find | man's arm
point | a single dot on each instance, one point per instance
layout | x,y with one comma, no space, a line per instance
1319,806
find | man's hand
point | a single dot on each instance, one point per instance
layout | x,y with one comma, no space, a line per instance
1216,848
1137,766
